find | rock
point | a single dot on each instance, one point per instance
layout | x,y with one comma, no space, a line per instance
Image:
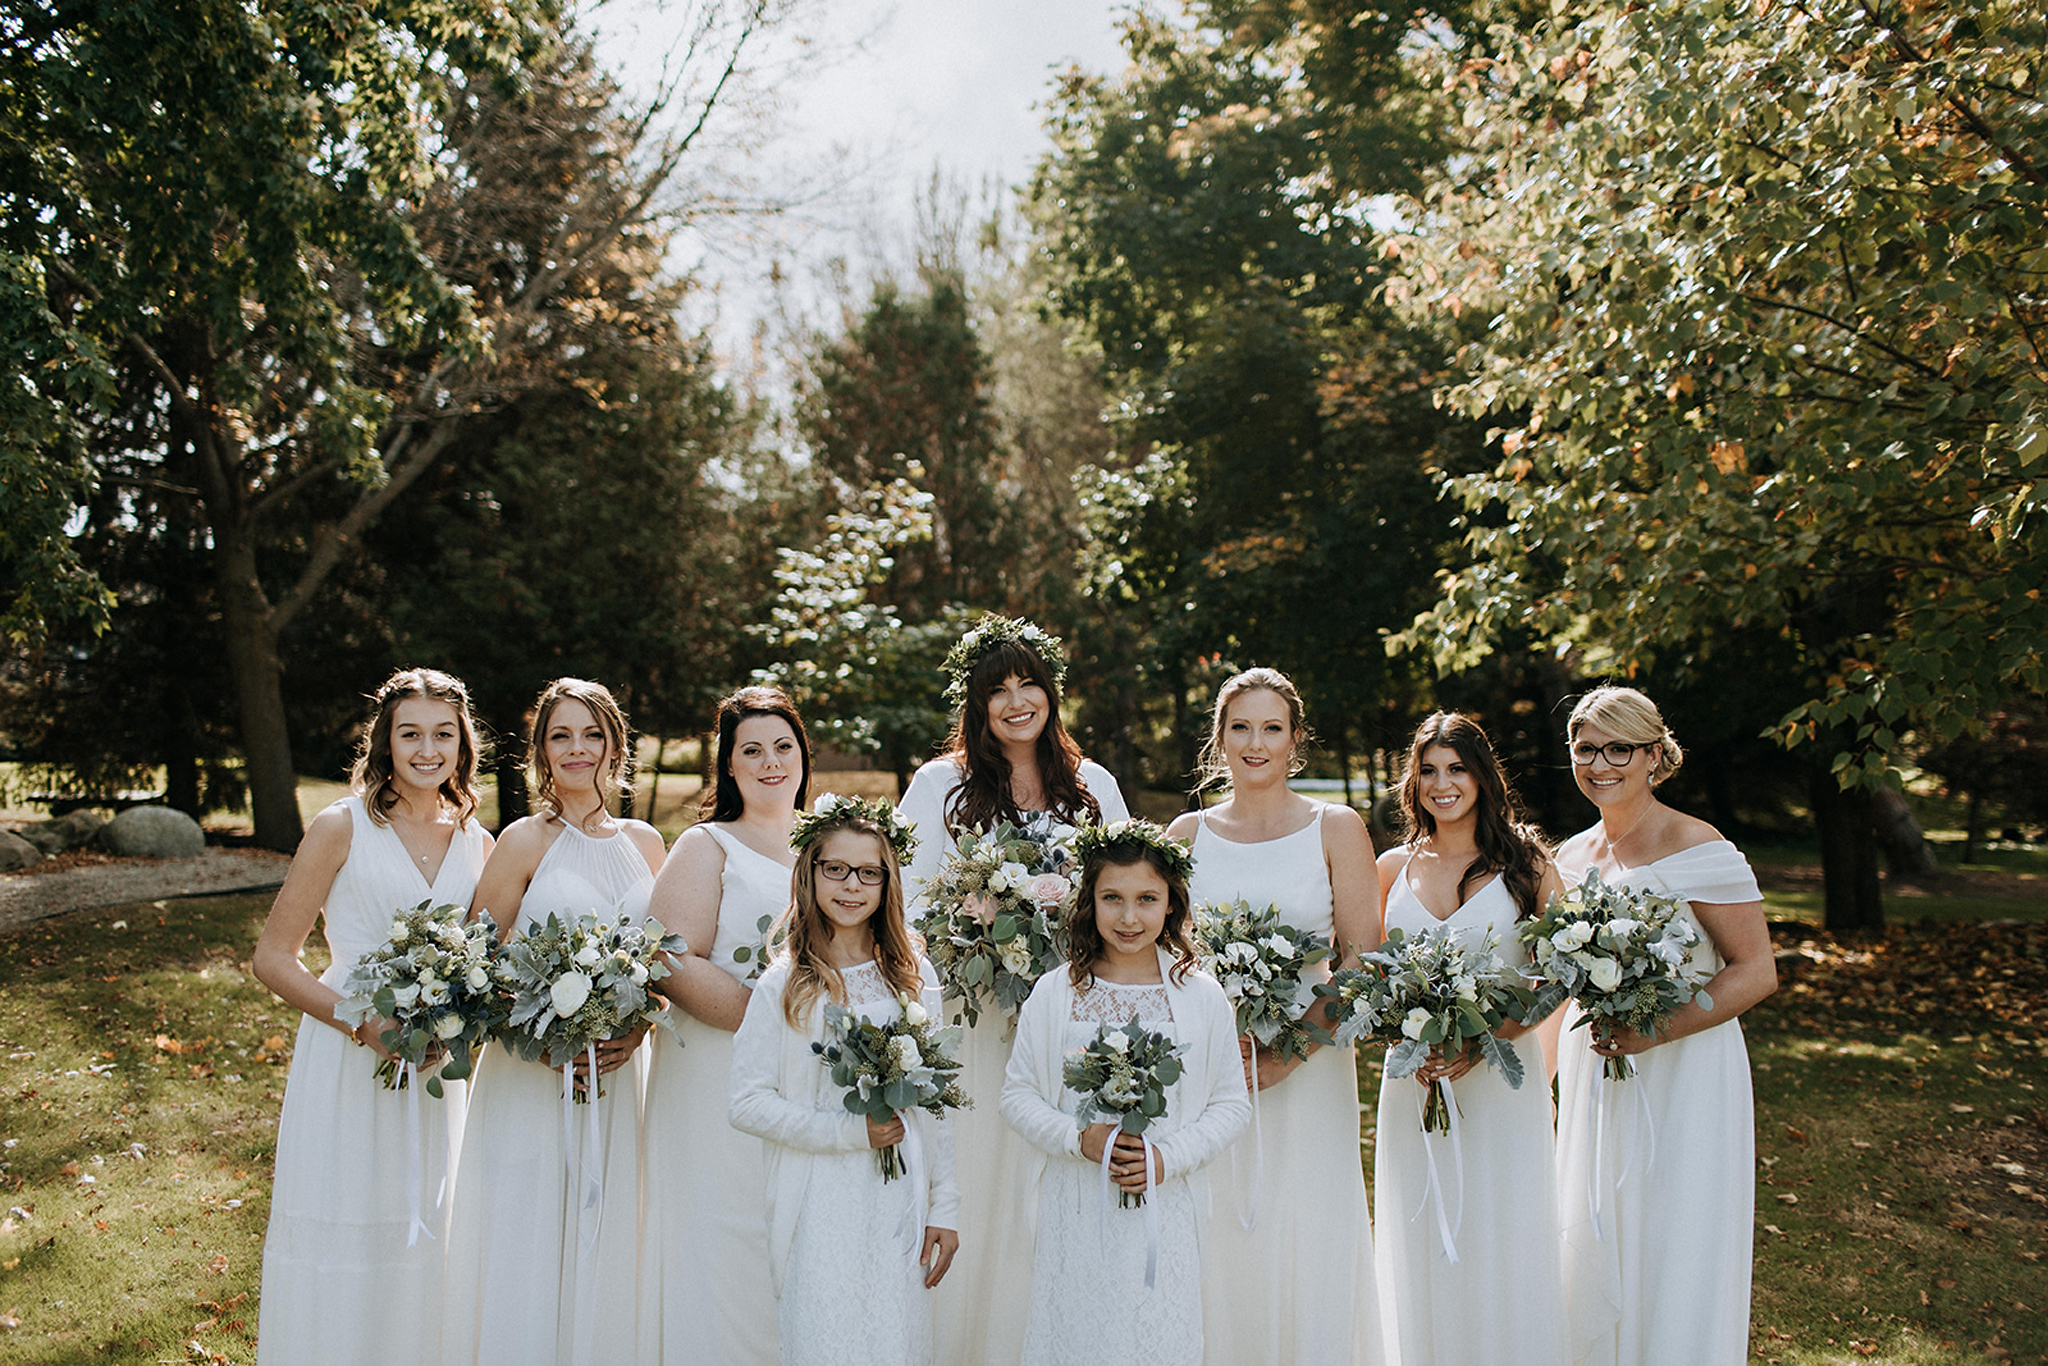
155,831
66,832
16,852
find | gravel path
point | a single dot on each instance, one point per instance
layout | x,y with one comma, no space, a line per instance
31,896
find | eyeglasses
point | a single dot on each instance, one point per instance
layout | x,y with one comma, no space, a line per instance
1616,752
870,874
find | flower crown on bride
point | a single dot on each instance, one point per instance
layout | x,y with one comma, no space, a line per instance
987,634
836,808
1095,841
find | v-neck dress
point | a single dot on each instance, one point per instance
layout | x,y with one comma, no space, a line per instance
1503,1299
340,1284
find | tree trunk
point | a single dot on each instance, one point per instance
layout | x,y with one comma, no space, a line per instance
1344,758
1848,855
1973,826
1185,746
1905,847
509,765
251,645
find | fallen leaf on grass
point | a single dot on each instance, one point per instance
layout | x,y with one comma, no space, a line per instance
10,1320
1956,1109
1773,1228
68,1169
1925,1299
1798,1136
1858,1143
218,1265
1788,1198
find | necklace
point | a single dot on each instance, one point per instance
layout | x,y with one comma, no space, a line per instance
1615,840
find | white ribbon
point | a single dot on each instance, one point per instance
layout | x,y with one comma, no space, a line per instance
1151,1207
1596,1185
587,1164
410,1079
1447,1228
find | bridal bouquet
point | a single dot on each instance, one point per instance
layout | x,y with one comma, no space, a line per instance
1263,968
431,977
903,1064
995,905
1121,1077
1429,991
1623,953
572,985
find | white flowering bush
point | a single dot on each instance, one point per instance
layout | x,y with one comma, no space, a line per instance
992,923
1263,967
1623,953
431,977
897,1065
1121,1077
572,984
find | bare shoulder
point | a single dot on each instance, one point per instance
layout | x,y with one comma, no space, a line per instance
330,834
647,840
697,846
1344,829
1682,832
527,838
1184,826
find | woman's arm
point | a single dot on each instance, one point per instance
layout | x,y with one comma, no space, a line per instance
1749,973
758,1104
501,887
276,960
1357,910
690,889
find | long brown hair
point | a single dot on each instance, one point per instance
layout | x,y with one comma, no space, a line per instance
984,795
722,802
808,930
371,774
604,709
1084,936
1507,846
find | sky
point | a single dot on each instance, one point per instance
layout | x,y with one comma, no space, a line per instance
891,90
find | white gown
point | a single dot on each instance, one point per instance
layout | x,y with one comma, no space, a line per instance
843,1243
705,1296
1504,1298
339,1283
1089,1301
1298,1289
1657,1246
984,1298
539,1271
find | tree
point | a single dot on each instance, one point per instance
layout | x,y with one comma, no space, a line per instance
1764,291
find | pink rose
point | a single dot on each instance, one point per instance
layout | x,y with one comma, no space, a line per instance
982,908
1047,889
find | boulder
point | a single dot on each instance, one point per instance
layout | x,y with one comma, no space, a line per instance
155,831
16,852
66,832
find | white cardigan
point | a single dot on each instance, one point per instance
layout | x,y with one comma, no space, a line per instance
783,1092
1206,1109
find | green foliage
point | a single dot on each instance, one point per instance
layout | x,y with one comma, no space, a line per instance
1765,283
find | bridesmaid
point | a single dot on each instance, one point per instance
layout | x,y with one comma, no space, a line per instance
1296,1289
705,1293
343,1280
535,1273
1009,759
1468,863
1657,1266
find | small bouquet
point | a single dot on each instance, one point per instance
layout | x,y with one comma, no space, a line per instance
572,985
431,977
1122,1076
1623,953
759,954
1263,968
1429,991
995,906
903,1064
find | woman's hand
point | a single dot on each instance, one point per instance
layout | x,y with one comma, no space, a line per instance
1127,1163
939,1246
881,1135
612,1054
1271,1069
1436,1069
1094,1139
370,1034
1619,1042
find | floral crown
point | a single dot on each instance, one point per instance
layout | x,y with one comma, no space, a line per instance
836,808
987,634
1093,841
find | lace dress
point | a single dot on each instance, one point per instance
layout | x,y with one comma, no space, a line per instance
1657,1243
340,1283
1503,1299
543,1251
843,1243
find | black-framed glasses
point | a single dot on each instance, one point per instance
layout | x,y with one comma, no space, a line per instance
870,874
1616,752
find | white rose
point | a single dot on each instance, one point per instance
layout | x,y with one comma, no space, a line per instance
569,992
1278,946
914,1014
478,978
1415,1022
399,933
1606,974
448,1026
587,956
1016,956
1573,936
903,1049
1118,1040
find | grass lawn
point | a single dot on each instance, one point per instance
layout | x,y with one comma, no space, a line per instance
1901,1130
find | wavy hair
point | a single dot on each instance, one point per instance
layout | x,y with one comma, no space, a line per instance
604,708
984,795
1507,845
1212,769
722,802
371,776
1084,936
808,929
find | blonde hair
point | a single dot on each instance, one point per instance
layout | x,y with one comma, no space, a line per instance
808,929
604,709
1212,769
1629,716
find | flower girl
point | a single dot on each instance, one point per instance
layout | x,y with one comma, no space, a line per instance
852,1253
1111,1283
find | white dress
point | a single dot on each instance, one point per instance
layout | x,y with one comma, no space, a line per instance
843,1244
543,1249
1298,1289
983,1300
339,1283
1089,1301
1657,1245
1504,1298
705,1297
